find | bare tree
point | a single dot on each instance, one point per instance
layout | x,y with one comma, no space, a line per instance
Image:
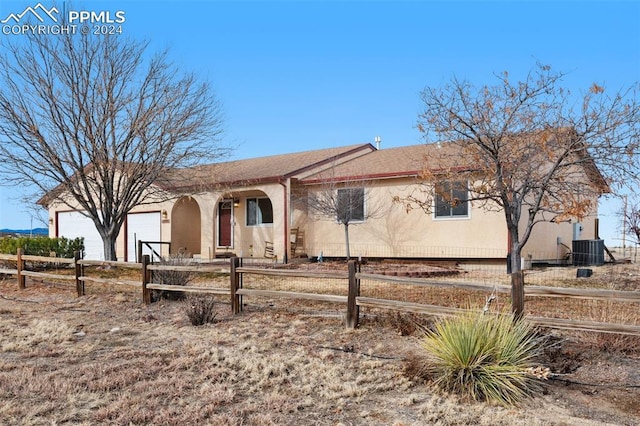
528,148
631,221
346,203
94,122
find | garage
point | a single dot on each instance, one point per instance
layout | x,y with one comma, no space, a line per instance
143,227
73,225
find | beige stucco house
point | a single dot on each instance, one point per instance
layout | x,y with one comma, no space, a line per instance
256,208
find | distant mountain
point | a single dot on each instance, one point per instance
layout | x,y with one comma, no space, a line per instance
25,232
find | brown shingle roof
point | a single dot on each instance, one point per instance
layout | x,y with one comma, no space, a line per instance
347,163
384,163
262,169
412,160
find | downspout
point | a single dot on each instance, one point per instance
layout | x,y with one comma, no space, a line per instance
287,198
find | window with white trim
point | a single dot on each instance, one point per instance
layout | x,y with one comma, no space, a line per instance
259,211
451,200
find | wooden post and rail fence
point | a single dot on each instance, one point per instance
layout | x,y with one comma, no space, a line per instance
352,276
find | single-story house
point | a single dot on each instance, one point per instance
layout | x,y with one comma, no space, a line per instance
256,208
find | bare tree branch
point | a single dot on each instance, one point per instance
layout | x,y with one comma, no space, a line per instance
93,123
527,149
631,219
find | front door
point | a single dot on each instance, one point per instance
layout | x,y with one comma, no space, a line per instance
225,223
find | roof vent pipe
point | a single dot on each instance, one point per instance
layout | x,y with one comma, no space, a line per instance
377,140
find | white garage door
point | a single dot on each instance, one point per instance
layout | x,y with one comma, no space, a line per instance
143,227
73,225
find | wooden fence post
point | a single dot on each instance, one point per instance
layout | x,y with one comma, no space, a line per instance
353,310
235,284
517,294
79,273
146,293
22,280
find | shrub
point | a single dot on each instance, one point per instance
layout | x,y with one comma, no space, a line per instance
484,357
200,309
178,278
41,246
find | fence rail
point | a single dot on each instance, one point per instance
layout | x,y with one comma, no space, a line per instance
189,289
352,278
114,263
293,295
434,283
583,293
419,308
540,291
183,268
47,275
46,259
293,273
602,327
129,283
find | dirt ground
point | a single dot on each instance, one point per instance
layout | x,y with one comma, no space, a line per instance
107,359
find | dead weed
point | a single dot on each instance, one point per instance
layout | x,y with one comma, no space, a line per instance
98,360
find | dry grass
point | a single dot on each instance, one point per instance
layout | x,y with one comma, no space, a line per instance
39,332
620,313
104,358
107,359
403,323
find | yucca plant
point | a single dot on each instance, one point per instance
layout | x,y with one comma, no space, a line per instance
484,357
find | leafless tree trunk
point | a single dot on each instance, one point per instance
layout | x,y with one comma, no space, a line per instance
96,123
346,240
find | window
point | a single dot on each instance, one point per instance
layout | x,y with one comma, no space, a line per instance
259,211
350,206
451,200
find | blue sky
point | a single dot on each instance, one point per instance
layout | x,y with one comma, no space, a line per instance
296,76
